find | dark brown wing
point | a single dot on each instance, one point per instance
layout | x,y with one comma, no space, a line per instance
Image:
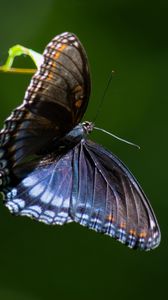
54,103
60,90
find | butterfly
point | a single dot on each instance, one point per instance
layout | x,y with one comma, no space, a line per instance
49,169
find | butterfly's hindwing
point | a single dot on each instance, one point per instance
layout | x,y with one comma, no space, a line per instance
110,200
44,194
89,185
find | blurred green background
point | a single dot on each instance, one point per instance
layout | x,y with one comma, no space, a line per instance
71,262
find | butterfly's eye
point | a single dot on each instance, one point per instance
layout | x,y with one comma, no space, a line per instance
87,126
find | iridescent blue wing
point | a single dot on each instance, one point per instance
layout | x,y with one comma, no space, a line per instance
107,198
91,186
54,103
44,194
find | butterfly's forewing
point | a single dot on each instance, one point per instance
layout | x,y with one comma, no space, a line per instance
60,89
110,200
54,103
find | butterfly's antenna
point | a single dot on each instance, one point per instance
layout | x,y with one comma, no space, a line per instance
117,137
104,94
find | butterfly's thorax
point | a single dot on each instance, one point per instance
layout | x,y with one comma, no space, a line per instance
81,130
73,137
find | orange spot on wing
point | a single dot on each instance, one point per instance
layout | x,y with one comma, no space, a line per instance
110,218
78,103
77,88
133,232
60,49
123,225
56,56
143,234
50,75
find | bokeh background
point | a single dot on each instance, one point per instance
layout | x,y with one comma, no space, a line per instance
130,37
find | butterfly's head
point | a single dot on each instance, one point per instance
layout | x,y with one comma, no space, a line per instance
87,127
